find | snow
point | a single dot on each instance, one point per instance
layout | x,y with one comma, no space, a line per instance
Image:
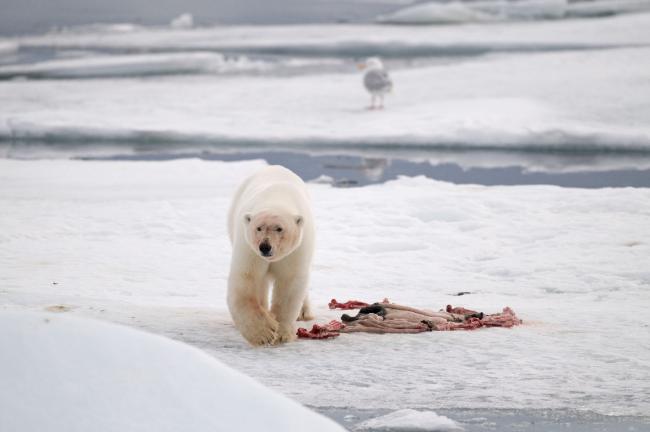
69,374
461,12
145,244
409,420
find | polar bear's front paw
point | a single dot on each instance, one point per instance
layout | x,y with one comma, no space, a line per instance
286,333
265,334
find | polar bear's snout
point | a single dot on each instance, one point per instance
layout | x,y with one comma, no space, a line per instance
266,249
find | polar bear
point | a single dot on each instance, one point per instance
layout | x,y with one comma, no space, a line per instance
272,234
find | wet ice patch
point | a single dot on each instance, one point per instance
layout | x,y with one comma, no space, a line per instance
410,420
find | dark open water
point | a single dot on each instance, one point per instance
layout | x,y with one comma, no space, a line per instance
354,170
366,165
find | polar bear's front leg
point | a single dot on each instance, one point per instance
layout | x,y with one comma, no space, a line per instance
288,299
247,306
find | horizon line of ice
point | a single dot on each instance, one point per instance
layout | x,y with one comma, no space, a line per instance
541,140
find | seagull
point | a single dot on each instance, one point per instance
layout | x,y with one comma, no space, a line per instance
376,81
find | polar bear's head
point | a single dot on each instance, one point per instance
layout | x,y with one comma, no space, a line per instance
273,235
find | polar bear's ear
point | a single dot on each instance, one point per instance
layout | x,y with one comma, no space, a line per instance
247,217
298,220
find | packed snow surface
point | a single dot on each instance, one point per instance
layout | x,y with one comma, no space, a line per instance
61,373
145,244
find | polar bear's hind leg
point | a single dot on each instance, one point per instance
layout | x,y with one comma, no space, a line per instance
306,313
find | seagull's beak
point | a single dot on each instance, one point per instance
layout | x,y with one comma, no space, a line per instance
361,66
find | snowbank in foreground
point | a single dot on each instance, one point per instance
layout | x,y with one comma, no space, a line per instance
409,420
571,100
502,10
145,244
68,374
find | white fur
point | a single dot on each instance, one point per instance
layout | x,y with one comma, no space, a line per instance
273,197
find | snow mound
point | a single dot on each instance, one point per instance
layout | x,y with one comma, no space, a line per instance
70,374
183,21
505,10
410,420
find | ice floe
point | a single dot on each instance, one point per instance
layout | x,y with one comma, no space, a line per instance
409,420
145,244
562,101
357,40
502,10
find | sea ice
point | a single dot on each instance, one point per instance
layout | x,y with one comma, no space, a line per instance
501,10
145,244
356,40
519,101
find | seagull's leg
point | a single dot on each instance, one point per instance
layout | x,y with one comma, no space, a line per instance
381,101
372,102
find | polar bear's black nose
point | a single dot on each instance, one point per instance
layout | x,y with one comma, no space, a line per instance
265,248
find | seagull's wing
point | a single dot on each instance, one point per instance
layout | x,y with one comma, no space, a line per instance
377,81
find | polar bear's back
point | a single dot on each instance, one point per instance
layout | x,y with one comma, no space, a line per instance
273,186
274,174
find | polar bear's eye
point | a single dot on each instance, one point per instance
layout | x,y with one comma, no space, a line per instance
279,229
259,228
